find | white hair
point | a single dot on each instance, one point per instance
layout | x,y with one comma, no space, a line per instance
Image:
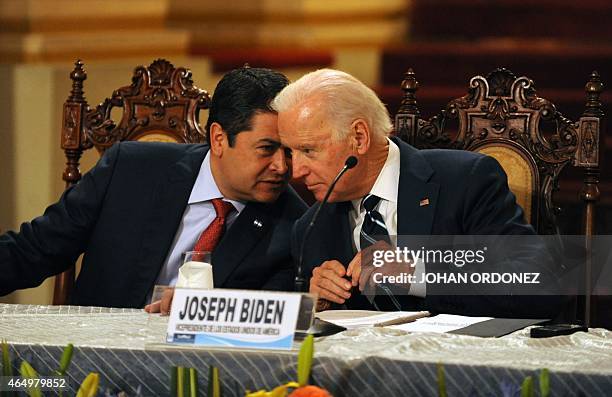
346,99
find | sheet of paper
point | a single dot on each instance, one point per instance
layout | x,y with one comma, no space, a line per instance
440,323
351,319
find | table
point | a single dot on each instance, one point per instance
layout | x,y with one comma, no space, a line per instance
125,347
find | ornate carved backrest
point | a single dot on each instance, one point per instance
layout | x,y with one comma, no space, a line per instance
502,116
161,104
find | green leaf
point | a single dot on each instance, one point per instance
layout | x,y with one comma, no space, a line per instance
193,382
527,387
66,359
27,371
305,360
441,381
89,387
214,385
7,368
544,383
180,382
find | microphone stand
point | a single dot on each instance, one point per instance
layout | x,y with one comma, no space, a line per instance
300,281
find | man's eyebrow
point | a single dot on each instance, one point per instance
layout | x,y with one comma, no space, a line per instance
269,141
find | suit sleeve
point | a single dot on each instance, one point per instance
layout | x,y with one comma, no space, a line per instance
490,210
49,244
281,280
284,278
297,237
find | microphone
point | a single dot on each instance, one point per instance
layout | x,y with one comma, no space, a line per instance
300,281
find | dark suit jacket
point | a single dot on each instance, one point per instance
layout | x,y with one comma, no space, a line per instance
124,214
468,195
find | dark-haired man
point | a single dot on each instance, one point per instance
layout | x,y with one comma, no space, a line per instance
144,204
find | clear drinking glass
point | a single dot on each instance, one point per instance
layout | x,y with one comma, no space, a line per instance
196,270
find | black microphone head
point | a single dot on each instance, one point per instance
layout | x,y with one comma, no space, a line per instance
350,162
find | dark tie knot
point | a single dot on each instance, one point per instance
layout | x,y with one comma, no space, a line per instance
370,202
222,208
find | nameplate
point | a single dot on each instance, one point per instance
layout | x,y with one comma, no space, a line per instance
233,318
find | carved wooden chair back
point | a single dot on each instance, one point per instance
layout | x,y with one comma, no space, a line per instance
161,104
502,116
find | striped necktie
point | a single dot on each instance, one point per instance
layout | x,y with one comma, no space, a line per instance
373,228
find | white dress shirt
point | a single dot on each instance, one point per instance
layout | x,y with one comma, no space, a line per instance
386,187
198,214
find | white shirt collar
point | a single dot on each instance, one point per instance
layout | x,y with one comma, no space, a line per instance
205,188
387,182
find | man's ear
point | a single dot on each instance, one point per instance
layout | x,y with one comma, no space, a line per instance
218,139
361,133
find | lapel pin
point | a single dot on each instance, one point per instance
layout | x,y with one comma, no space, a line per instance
257,223
424,202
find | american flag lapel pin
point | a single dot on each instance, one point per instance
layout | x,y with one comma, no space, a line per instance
424,202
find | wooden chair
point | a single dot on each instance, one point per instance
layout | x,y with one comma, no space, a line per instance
502,116
161,104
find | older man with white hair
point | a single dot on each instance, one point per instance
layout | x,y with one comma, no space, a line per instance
394,190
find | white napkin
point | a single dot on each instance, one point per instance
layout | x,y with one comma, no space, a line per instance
195,275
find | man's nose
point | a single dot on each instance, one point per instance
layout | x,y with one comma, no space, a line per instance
279,162
298,166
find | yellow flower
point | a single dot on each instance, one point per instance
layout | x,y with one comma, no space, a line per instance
280,391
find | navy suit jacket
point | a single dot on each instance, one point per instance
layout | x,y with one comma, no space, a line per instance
467,193
124,214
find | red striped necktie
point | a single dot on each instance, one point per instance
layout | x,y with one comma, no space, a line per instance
212,235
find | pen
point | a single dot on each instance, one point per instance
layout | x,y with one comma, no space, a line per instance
402,320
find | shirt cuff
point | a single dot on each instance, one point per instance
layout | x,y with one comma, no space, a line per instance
418,289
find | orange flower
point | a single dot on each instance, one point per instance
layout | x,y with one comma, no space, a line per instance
310,391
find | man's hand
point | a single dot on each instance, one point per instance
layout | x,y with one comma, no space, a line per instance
163,305
329,283
361,268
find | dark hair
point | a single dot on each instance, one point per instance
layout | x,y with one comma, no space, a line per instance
240,95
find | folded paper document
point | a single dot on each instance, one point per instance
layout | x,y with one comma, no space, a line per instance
351,319
441,323
423,322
